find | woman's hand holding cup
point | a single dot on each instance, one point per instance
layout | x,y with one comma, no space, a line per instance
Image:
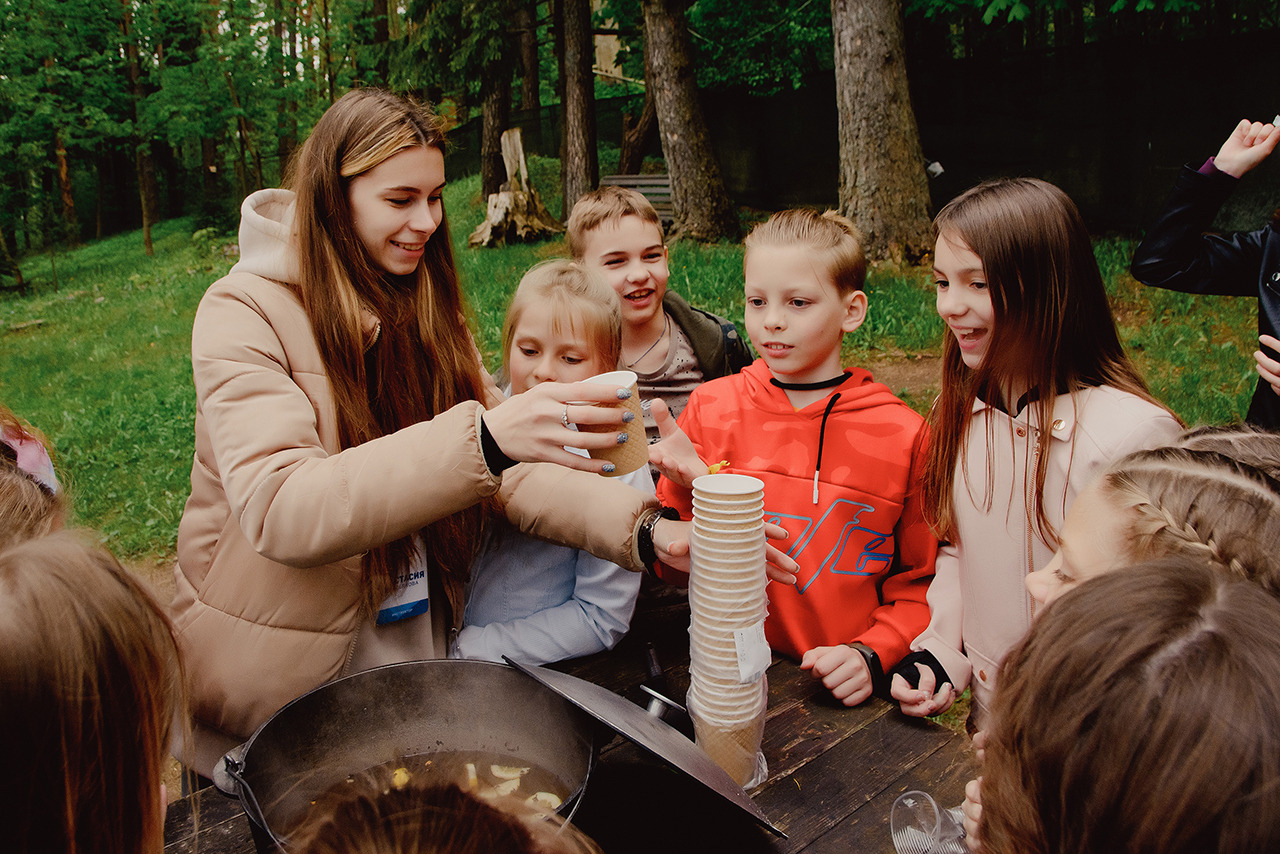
534,426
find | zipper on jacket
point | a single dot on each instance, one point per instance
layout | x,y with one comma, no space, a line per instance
351,651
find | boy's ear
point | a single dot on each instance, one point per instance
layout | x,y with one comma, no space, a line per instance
855,311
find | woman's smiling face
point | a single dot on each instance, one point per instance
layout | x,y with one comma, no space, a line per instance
396,207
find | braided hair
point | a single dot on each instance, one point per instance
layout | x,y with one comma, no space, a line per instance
1202,504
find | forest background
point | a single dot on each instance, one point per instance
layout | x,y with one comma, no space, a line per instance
131,130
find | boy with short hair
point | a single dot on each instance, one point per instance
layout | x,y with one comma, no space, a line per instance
672,346
839,454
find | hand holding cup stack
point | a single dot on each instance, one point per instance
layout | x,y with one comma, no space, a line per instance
727,650
633,453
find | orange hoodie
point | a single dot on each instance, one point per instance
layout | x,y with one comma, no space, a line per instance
856,529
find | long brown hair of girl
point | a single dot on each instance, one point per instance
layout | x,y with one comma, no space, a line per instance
423,361
90,683
1139,714
1053,330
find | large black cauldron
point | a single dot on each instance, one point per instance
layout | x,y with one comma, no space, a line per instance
380,715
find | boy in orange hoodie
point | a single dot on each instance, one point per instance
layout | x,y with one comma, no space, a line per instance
839,454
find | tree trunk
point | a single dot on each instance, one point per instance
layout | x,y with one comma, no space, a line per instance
638,131
148,196
703,210
526,30
581,166
69,219
883,186
495,111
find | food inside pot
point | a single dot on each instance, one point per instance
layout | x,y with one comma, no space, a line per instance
489,775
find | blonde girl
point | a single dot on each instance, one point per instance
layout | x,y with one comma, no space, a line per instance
1139,714
535,601
1170,501
1037,397
89,687
349,447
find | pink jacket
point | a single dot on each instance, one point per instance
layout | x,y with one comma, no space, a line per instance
978,604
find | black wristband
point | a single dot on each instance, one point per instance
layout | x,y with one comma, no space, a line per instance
644,536
908,670
879,682
494,458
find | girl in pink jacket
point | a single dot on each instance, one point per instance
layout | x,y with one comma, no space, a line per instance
1037,397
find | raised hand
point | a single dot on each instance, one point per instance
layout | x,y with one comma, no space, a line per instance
673,454
1249,144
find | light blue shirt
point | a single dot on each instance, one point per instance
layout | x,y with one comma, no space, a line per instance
538,602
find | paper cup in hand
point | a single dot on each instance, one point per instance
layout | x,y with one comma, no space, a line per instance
633,453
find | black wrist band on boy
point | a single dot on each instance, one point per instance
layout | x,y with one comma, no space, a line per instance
644,536
879,682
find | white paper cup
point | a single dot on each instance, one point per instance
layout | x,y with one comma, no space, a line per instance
728,484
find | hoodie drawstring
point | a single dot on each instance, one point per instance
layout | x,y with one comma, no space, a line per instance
822,435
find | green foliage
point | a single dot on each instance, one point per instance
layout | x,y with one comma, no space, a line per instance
765,45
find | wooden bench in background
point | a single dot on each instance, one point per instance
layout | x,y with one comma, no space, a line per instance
655,188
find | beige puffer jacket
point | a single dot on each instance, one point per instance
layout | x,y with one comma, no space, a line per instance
268,599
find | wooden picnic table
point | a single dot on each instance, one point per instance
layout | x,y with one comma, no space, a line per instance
834,772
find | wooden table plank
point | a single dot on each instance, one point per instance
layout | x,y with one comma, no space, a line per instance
841,780
943,774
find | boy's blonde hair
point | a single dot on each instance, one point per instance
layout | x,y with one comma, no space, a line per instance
836,245
576,296
606,204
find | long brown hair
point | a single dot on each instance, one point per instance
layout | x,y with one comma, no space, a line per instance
1139,714
423,361
89,686
1053,330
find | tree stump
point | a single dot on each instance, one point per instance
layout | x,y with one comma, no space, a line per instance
515,214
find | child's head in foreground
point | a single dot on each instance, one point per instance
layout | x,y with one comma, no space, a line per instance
372,816
89,686
28,508
1171,501
804,273
564,325
1139,714
616,232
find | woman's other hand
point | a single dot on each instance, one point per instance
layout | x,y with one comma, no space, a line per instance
534,426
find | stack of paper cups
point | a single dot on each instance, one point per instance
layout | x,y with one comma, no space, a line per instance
728,654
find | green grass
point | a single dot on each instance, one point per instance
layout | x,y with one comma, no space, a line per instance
102,364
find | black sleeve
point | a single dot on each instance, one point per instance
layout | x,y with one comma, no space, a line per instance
1178,254
494,458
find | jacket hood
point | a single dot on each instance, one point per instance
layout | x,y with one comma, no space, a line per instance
267,239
